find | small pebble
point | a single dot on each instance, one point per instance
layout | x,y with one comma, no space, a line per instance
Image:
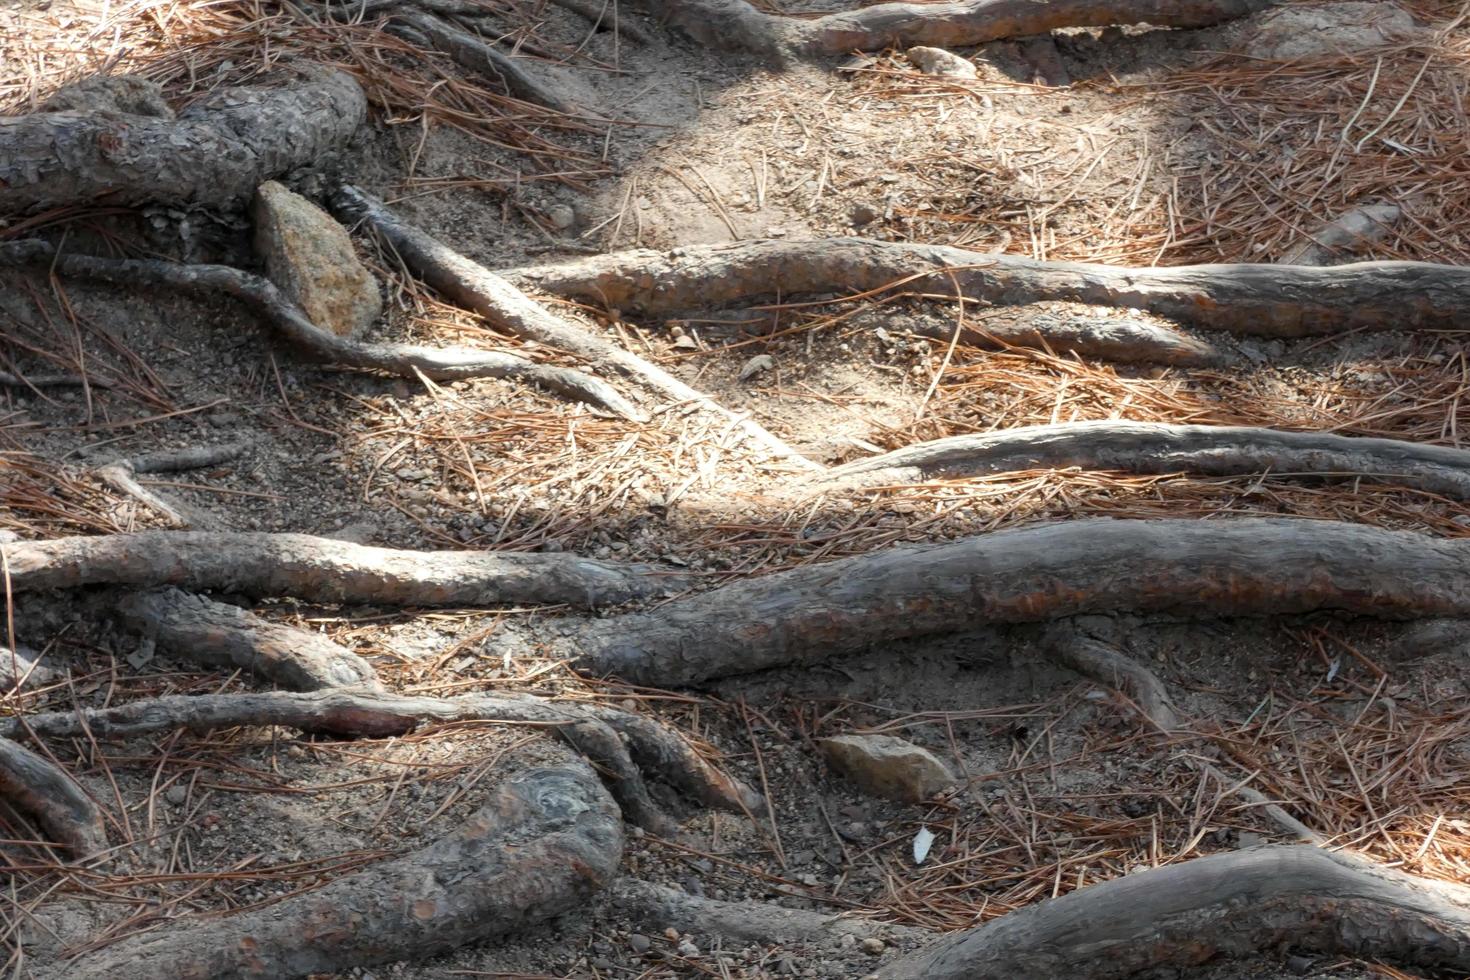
639,943
687,948
873,946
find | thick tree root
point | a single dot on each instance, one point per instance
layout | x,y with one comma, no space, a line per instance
1152,447
212,633
122,474
548,839
1261,300
272,306
1247,566
737,24
1111,667
53,798
214,154
591,730
657,908
477,288
1287,896
326,570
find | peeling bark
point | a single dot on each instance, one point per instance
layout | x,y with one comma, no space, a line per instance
546,841
272,306
1235,904
213,155
1237,567
58,804
477,288
1155,447
326,570
212,633
591,730
1261,300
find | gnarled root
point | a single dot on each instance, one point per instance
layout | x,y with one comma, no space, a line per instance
212,633
53,798
271,305
325,570
1156,447
1210,568
1223,905
1261,300
593,732
548,839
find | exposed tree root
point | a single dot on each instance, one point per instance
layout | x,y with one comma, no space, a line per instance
121,474
361,714
1261,300
214,154
326,570
604,16
53,798
477,288
1287,896
212,633
657,908
1150,447
481,56
737,24
547,840
271,305
1247,566
1113,668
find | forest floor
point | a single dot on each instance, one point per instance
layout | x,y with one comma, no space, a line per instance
1159,147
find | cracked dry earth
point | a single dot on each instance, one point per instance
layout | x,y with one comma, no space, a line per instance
1133,146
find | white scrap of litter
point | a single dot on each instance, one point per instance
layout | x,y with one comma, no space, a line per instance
923,840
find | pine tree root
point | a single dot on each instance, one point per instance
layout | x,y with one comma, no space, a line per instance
547,840
122,473
1153,447
593,731
479,55
272,306
477,288
214,154
212,633
1238,904
326,570
1238,567
1261,300
52,798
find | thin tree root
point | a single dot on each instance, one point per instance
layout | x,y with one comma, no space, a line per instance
1262,300
479,55
477,288
362,714
1245,566
1235,904
325,570
122,473
272,306
1153,447
547,840
47,793
604,16
1111,667
212,633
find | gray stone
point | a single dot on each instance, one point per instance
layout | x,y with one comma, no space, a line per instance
937,61
1328,29
310,258
885,766
639,943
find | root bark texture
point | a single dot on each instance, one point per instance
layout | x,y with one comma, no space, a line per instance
1235,904
214,154
272,306
546,842
1250,566
64,811
597,732
487,293
1261,300
326,570
1149,447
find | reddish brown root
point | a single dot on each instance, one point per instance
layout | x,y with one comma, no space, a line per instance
52,798
1247,566
212,633
593,731
272,306
547,840
326,570
1237,904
